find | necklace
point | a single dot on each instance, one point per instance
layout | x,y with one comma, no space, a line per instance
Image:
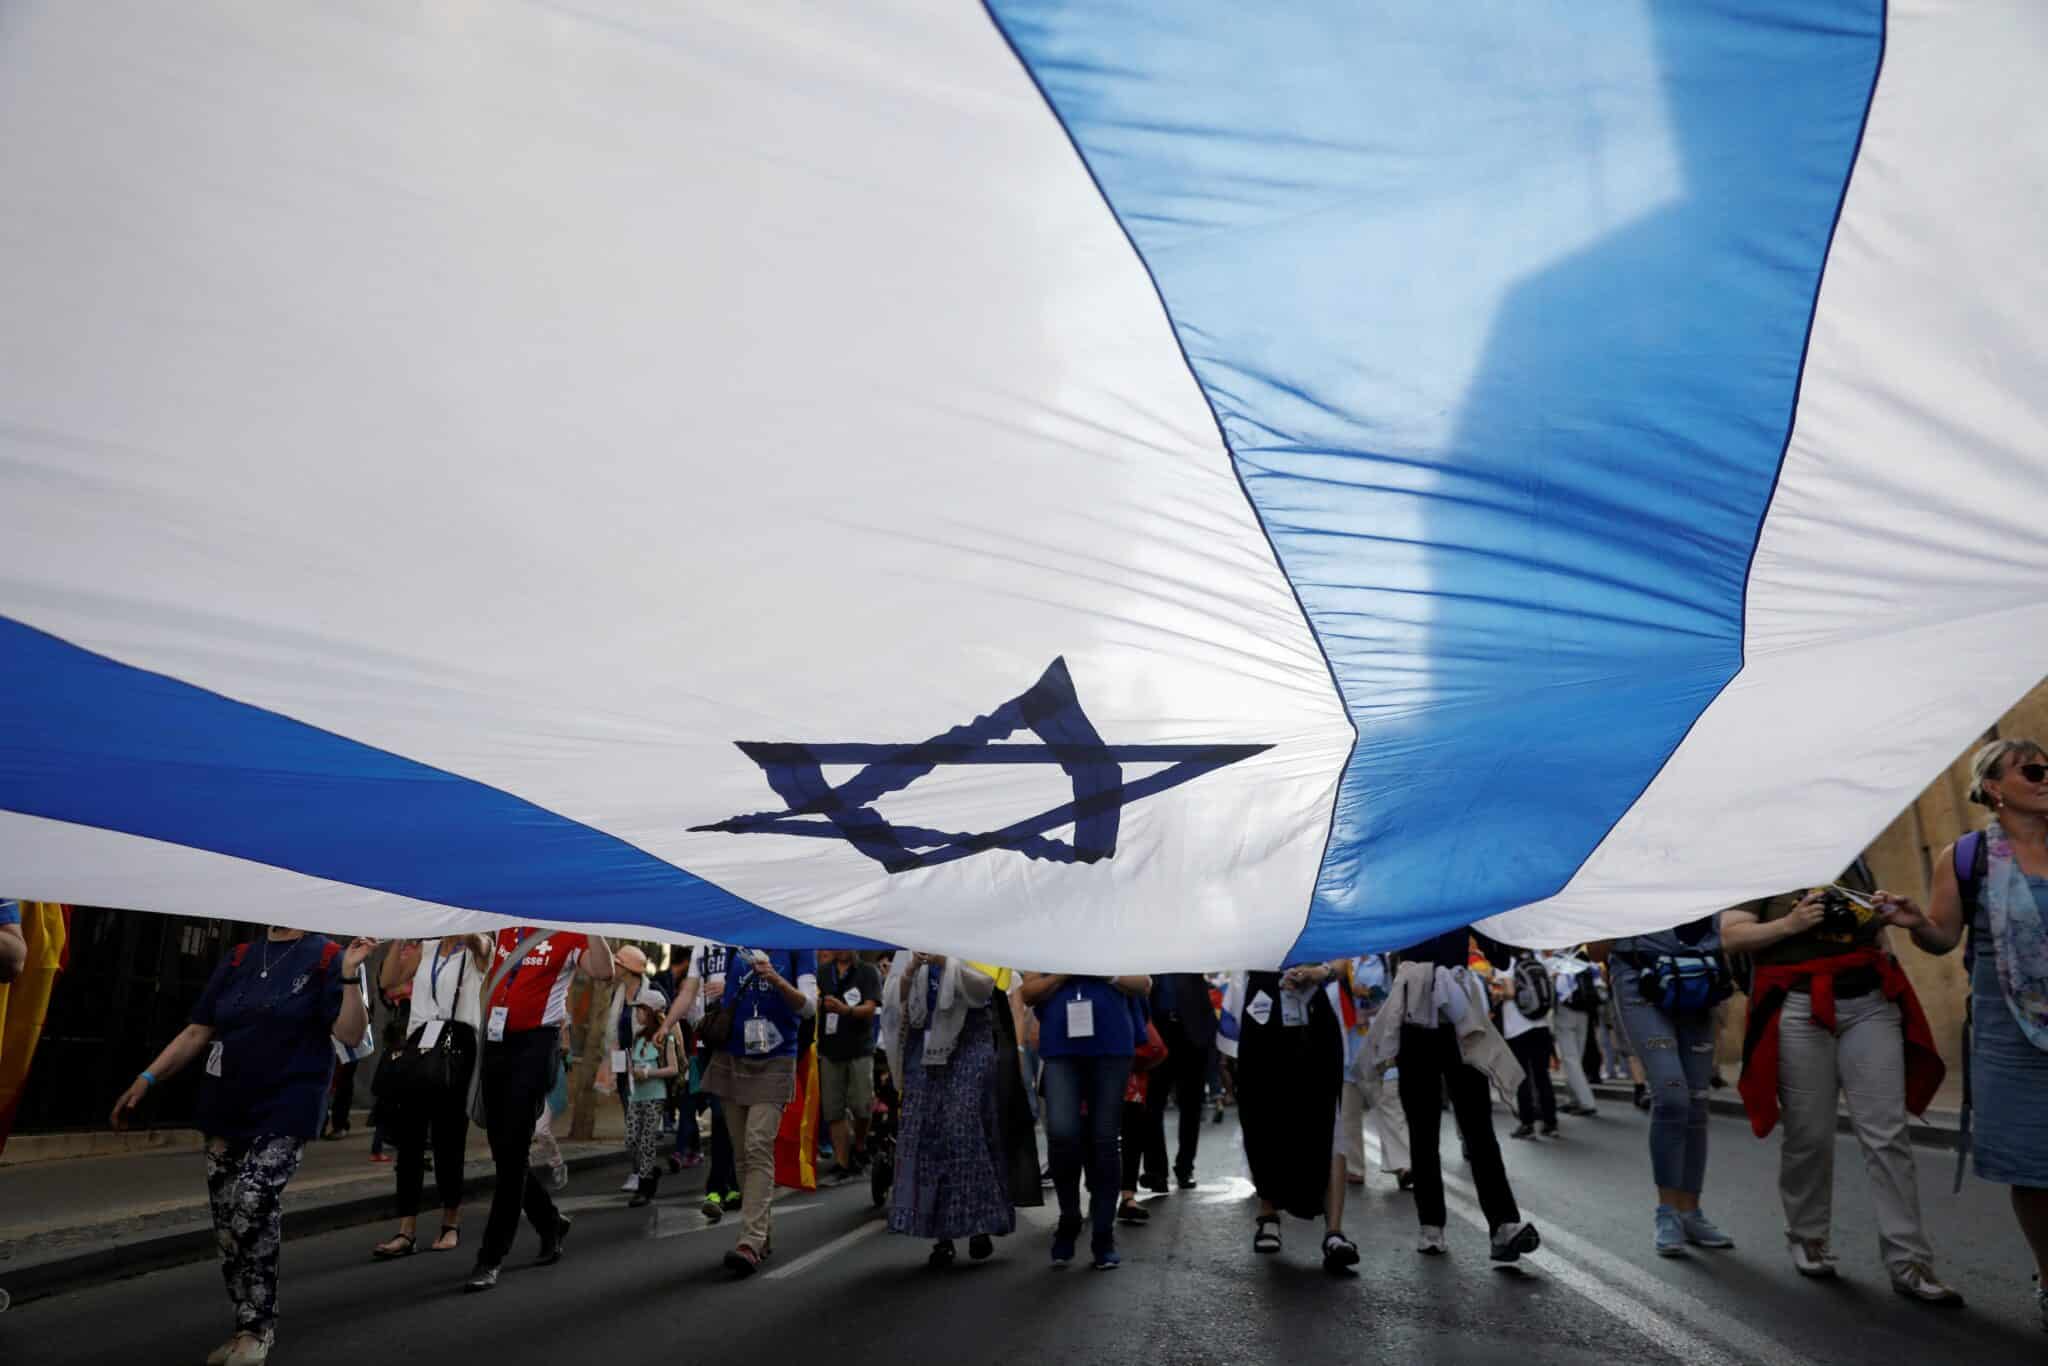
265,970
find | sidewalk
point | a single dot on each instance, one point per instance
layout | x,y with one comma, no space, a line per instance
72,1221
1938,1128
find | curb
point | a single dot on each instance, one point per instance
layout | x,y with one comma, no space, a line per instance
155,1252
1920,1131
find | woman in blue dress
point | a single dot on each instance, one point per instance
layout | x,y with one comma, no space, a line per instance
2000,894
952,1177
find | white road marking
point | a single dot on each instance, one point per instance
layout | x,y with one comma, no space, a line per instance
1681,1324
829,1250
671,1222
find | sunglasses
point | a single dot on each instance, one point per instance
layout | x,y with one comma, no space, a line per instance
2033,773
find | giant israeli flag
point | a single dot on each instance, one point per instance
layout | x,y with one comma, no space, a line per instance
1090,484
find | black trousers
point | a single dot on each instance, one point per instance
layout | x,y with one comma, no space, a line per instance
1184,1076
1137,1119
1536,1098
518,1074
410,1122
1430,1066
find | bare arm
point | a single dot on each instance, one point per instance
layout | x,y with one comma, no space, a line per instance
389,974
597,959
1743,931
1132,986
1039,987
1940,927
354,1021
13,952
686,996
185,1046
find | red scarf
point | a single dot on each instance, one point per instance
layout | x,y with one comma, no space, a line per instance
1759,1084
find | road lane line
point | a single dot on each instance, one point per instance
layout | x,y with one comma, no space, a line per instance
1681,1324
829,1250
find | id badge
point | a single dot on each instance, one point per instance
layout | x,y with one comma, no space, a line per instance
495,1029
1260,1007
430,1035
761,1035
1293,1010
1081,1019
213,1059
831,1024
618,1060
852,997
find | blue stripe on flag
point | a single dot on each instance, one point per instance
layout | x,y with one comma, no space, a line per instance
91,741
1501,307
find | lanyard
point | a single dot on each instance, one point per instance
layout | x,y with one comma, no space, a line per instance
434,975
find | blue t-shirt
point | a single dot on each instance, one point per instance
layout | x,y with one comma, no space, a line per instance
1116,1024
10,912
751,998
267,1070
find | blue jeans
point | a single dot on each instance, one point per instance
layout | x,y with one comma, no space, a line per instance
1677,1054
1071,1137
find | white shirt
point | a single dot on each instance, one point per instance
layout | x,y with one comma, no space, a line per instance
446,987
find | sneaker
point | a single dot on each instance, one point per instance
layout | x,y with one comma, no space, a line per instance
632,1183
1105,1255
1521,1131
558,1176
1404,1180
732,1201
1064,1237
1915,1280
1701,1232
1131,1212
1550,1131
1670,1233
742,1262
1642,1096
381,1159
1431,1243
1812,1257
251,1349
1186,1183
1512,1241
693,1159
713,1207
482,1279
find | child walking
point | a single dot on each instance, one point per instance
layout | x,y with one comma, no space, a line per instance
652,1063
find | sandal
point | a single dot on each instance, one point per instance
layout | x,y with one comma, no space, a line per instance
1339,1252
448,1231
1266,1234
390,1250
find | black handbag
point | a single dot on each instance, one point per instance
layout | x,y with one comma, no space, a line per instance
415,1071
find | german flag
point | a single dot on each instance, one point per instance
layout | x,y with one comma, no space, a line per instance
46,925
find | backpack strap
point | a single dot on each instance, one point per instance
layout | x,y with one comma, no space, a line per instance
239,956
1971,859
328,953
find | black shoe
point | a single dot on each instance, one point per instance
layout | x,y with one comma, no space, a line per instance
1523,1131
943,1254
981,1247
1404,1180
1185,1182
1642,1096
1155,1184
1131,1212
482,1279
551,1244
1550,1131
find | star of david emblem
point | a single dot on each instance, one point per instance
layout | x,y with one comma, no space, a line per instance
1049,710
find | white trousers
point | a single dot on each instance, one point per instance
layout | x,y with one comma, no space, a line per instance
1390,1123
1569,1026
1865,1063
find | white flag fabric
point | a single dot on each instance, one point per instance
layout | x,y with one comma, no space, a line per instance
1077,483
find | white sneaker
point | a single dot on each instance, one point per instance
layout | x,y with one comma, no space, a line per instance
560,1173
1432,1241
251,1351
1915,1280
1812,1257
632,1183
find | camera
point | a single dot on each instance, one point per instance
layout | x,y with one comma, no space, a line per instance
1838,914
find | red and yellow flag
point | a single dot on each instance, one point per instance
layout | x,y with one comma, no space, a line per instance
46,926
796,1142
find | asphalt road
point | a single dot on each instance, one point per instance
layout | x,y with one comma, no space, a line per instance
636,1286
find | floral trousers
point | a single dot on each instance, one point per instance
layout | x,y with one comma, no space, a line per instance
245,1181
643,1135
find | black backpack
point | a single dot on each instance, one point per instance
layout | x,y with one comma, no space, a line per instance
1534,992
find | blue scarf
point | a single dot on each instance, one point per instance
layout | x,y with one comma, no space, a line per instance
2019,933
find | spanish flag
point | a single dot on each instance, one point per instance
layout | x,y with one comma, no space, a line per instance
46,926
796,1142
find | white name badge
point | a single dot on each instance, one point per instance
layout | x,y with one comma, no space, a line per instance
852,996
831,1024
213,1060
494,1030
761,1035
1260,1007
1081,1019
1293,1009
430,1035
618,1060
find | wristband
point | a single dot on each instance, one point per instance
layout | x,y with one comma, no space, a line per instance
354,981
145,1075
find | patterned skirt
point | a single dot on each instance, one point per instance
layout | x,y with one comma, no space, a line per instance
951,1173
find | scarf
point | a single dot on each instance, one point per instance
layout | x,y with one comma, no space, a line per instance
2019,934
962,987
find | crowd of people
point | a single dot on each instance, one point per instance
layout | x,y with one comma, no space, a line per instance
935,1075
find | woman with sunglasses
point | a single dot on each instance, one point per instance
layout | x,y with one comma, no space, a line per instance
1832,1014
1995,884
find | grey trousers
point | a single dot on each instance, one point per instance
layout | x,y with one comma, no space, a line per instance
1570,1028
1390,1122
1865,1062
